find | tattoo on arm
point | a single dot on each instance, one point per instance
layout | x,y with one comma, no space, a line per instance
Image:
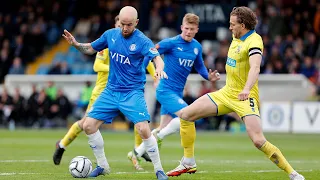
85,48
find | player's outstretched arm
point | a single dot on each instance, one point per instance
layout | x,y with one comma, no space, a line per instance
85,48
160,74
255,61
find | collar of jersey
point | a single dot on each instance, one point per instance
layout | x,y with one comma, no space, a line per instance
244,37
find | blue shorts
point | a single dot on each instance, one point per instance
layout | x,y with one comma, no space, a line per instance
171,101
131,103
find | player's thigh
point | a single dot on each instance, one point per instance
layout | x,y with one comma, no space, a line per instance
254,129
164,121
220,101
204,106
245,108
249,112
94,96
105,107
171,102
133,105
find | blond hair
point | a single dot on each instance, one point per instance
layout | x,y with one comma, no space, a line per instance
191,19
246,16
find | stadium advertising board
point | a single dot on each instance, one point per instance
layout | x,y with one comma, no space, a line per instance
276,116
306,117
212,15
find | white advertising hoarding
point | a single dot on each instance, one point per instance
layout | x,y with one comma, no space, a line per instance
275,116
306,117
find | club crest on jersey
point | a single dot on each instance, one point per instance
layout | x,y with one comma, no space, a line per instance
238,49
153,50
196,51
132,47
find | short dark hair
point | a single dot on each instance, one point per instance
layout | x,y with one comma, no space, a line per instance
246,16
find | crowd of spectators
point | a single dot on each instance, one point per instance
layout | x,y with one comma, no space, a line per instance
290,32
48,107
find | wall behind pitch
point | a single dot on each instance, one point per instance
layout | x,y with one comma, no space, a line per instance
306,117
275,116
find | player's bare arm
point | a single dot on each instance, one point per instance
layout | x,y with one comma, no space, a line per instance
255,61
85,48
160,74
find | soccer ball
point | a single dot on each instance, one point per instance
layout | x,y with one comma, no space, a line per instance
80,167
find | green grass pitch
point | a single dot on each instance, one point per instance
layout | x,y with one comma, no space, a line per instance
27,154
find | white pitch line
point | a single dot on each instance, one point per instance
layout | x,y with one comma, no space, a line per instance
262,161
30,160
176,161
147,172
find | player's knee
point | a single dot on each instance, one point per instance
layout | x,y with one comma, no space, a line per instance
81,122
143,129
258,142
187,116
88,127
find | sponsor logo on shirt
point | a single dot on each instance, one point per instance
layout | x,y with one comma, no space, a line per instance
231,62
122,59
186,62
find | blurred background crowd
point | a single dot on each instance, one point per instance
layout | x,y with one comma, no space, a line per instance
30,28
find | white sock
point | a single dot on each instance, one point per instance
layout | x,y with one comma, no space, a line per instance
151,147
172,127
97,145
140,150
61,145
188,161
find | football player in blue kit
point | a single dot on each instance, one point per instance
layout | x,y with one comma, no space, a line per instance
181,53
128,47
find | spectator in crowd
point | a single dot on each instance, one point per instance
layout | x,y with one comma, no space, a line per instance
59,110
187,95
43,108
32,105
309,69
19,108
85,95
204,89
60,68
17,67
6,107
51,90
